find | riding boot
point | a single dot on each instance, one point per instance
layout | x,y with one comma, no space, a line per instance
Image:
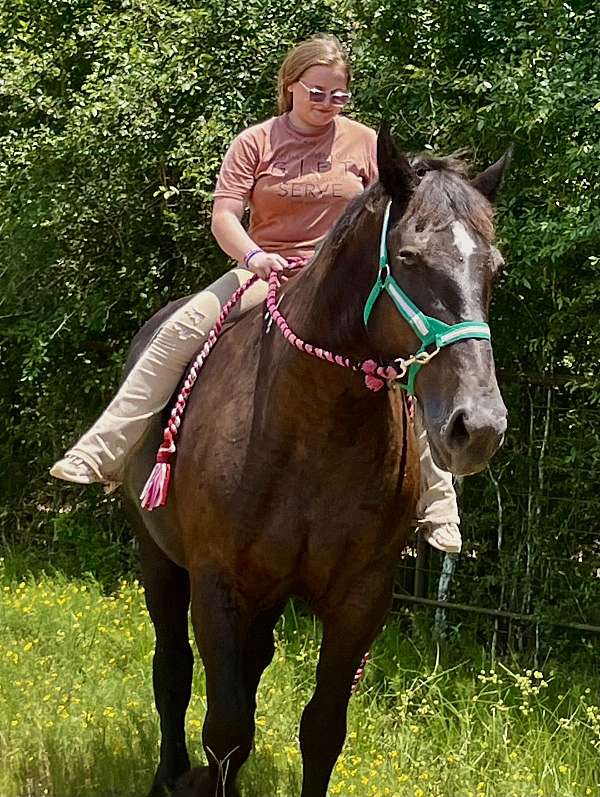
100,454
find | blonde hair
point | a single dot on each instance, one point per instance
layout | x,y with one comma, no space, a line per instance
320,50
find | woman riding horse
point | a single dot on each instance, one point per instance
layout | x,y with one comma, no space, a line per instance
297,171
293,478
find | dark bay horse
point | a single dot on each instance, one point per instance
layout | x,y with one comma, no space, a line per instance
292,478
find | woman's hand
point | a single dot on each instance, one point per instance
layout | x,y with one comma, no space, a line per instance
263,263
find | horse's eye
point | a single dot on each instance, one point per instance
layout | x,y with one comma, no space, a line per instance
421,172
408,255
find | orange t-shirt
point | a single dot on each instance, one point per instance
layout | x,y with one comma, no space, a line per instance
297,184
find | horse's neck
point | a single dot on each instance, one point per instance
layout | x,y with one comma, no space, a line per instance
324,307
308,398
307,409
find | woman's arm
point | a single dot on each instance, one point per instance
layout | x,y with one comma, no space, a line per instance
226,226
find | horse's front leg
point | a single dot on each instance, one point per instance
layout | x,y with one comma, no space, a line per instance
347,634
167,598
221,626
259,650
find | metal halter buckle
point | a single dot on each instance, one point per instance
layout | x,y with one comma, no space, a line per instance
402,367
384,273
423,357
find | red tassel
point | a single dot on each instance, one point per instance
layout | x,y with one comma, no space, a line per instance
156,488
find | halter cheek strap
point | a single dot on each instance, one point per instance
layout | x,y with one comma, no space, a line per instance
431,331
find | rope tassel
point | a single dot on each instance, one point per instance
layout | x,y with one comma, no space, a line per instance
156,488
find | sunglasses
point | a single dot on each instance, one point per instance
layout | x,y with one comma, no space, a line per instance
335,97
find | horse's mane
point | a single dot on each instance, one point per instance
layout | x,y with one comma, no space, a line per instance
350,216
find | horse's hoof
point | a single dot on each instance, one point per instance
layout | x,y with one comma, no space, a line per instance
199,783
160,790
166,786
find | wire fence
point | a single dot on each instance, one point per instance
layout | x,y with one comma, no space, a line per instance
529,572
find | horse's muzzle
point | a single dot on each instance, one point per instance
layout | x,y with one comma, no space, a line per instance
469,438
472,436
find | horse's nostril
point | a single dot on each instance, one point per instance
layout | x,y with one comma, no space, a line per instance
457,432
470,428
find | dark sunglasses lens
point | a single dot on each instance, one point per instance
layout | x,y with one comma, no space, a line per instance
317,96
339,99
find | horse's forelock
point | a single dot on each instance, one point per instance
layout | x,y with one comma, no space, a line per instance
444,195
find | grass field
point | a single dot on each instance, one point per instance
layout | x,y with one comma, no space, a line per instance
77,716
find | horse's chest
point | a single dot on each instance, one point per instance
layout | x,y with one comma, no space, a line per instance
309,534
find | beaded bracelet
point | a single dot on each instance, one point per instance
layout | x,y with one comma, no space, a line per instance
250,255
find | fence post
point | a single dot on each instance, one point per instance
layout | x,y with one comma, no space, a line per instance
440,623
421,567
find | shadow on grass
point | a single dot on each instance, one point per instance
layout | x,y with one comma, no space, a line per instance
127,769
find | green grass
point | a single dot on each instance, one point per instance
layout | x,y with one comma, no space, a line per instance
77,715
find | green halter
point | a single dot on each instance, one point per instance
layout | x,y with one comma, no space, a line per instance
430,331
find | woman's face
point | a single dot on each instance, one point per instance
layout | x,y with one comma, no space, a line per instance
324,78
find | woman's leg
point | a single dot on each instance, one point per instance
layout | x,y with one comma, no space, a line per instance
437,510
99,455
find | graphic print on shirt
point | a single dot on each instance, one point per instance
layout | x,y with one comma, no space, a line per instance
318,176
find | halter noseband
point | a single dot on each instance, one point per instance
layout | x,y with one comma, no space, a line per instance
430,331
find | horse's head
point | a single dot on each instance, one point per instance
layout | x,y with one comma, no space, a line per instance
441,254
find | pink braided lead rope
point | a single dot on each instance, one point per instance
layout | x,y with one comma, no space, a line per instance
156,489
360,673
375,375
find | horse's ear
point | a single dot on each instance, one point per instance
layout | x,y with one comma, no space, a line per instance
488,181
395,173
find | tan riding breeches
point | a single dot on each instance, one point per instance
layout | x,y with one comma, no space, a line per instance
151,382
437,500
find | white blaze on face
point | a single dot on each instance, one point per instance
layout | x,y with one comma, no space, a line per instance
463,241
